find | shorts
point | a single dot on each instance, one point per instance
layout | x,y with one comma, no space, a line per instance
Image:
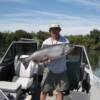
55,81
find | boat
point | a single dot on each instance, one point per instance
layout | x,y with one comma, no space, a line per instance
18,83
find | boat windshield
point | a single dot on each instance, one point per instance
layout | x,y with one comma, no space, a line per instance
75,55
78,54
18,48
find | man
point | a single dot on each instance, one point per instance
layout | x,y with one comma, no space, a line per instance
56,78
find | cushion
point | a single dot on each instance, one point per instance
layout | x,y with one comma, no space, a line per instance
22,70
25,82
29,71
9,86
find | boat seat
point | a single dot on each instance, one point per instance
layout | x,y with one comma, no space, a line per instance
73,71
10,88
24,73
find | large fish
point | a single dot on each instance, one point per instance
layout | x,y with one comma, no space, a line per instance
50,52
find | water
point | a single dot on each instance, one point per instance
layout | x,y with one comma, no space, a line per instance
94,57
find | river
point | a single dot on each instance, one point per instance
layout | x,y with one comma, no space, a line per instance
94,57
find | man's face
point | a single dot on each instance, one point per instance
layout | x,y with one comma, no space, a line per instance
55,31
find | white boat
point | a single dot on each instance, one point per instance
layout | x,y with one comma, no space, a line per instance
18,83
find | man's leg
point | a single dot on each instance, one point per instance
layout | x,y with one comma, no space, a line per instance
43,96
59,95
62,85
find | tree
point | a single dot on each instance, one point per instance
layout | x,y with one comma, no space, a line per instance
41,36
22,34
95,34
17,35
1,37
76,39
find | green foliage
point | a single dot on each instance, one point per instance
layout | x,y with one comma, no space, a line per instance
41,36
96,46
95,34
76,39
1,38
17,35
91,40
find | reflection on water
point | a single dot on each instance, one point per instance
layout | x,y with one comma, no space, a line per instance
94,57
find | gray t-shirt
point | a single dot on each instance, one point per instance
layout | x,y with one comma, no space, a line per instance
58,65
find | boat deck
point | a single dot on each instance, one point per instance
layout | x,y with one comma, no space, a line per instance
73,96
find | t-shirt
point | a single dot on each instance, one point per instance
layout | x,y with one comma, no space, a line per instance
57,65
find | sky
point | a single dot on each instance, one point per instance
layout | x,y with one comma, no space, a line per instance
74,16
